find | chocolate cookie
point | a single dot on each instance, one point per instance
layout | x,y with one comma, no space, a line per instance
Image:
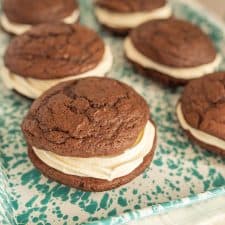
200,111
121,16
90,119
105,114
19,15
176,50
53,52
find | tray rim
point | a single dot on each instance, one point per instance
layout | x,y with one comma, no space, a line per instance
160,208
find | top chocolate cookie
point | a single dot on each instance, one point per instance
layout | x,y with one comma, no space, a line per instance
35,12
130,6
173,42
86,117
55,50
203,104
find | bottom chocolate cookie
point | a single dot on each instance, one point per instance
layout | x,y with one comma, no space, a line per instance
88,183
207,147
157,76
117,31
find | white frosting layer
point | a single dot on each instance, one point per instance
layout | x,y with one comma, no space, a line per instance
198,134
107,168
73,17
180,73
130,20
33,88
18,29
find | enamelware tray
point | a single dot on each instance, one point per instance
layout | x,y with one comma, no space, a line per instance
181,173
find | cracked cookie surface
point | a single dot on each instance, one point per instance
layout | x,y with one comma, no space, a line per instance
35,12
203,104
129,6
87,117
174,43
56,50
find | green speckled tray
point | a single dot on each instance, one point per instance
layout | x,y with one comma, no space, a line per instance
180,174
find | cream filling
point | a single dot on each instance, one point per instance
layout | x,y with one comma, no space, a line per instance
180,73
130,20
198,134
18,29
33,88
107,168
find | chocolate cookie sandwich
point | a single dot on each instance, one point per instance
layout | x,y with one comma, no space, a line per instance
121,16
20,16
50,53
93,133
172,51
201,111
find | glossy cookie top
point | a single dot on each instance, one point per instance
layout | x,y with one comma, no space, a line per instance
35,12
173,42
87,117
55,50
203,104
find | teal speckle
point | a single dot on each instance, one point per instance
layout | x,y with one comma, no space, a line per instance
91,207
206,184
212,171
170,183
42,188
15,204
86,196
40,223
65,217
219,180
112,212
187,178
23,218
35,219
158,162
122,201
18,163
57,191
32,176
159,190
59,215
196,174
171,164
43,209
123,191
104,201
74,197
61,192
46,199
196,160
31,201
137,207
42,217
75,218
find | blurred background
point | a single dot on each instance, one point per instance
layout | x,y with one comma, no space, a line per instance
217,6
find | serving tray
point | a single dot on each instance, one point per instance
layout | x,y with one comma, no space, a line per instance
181,173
